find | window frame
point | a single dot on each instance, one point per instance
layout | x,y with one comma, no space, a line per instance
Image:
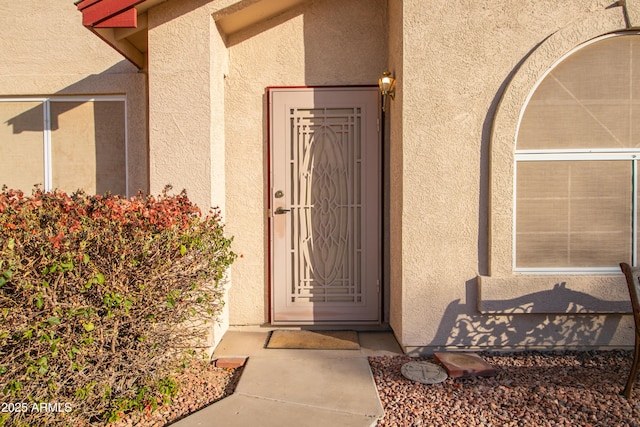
46,134
572,154
499,282
580,155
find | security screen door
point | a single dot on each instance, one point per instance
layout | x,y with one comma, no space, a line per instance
325,205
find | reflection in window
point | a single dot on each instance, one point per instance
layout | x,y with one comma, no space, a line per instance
21,149
64,143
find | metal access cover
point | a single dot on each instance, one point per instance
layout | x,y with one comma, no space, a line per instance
424,372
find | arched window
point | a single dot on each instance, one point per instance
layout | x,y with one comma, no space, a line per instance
576,158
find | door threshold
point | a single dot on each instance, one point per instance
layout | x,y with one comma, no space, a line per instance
360,327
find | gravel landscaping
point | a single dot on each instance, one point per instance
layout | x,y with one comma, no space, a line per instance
530,389
204,384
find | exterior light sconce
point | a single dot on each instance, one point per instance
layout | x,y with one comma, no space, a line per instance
387,88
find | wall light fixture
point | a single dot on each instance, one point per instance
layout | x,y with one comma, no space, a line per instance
388,88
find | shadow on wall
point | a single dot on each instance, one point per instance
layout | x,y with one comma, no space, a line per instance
32,119
519,322
88,138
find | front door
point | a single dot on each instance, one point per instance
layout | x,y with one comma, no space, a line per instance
325,205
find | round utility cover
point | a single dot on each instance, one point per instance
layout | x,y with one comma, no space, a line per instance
424,372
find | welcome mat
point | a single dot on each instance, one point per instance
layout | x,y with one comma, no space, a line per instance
314,340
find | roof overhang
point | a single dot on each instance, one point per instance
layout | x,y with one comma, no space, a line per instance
123,24
120,23
243,14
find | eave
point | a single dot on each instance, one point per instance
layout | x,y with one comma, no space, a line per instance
120,23
123,24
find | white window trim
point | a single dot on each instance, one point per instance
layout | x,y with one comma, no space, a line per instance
46,137
574,154
578,155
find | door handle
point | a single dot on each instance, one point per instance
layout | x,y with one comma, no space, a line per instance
281,211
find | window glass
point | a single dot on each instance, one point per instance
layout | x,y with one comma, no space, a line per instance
573,213
577,157
21,145
64,143
87,146
588,101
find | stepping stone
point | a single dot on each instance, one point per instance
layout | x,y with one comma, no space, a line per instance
459,364
423,372
230,362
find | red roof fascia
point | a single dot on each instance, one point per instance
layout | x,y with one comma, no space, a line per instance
125,19
85,3
95,12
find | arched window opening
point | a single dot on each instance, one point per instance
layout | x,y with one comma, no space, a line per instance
577,151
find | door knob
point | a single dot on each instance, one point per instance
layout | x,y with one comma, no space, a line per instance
281,211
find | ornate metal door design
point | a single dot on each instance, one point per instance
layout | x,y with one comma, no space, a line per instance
325,205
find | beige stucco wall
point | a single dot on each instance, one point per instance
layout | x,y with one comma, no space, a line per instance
49,53
329,42
458,58
207,109
187,62
186,66
463,69
394,123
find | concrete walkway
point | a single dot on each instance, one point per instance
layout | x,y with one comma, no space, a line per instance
301,388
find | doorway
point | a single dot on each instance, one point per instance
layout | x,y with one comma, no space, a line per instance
325,199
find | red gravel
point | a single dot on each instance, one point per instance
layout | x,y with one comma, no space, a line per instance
530,389
202,385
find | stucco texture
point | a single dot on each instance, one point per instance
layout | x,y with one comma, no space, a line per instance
47,52
392,241
318,43
464,70
457,59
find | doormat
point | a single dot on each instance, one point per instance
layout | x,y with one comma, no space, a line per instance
314,340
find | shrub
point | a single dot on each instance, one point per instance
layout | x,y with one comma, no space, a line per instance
101,299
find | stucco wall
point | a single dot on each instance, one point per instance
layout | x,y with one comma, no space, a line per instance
329,42
393,146
463,70
458,59
187,63
46,51
186,66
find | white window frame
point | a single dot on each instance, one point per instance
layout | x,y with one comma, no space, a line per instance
579,155
46,134
626,154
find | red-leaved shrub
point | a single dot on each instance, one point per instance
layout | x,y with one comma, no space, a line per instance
101,299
